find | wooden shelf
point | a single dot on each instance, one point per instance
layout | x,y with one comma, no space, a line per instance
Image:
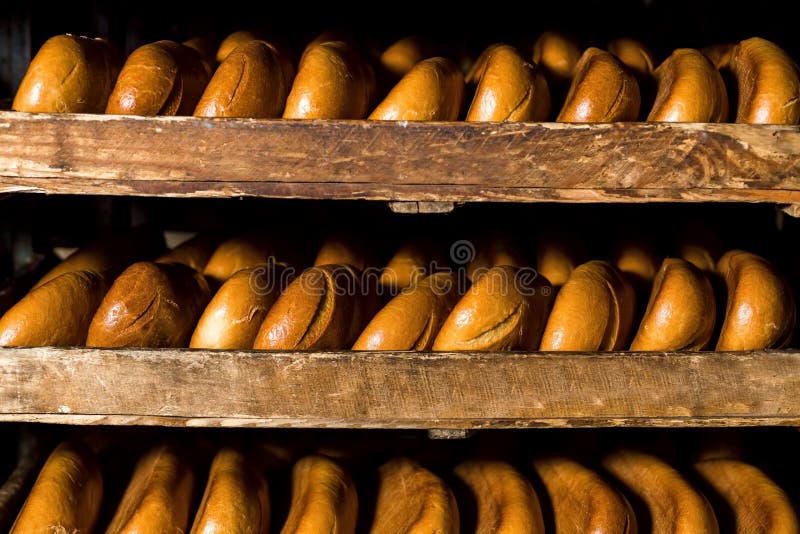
402,161
398,390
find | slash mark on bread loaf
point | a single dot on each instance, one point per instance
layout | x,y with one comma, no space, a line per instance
513,316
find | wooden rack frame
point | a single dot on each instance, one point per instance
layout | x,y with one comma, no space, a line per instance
400,161
398,389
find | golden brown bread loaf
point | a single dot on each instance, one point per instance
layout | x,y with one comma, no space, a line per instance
233,317
252,82
66,496
602,90
432,91
581,501
719,54
493,249
109,256
412,500
557,255
760,312
557,54
592,311
690,89
150,305
681,311
69,74
633,55
401,56
318,310
506,502
324,498
333,82
505,309
206,46
158,496
236,499
768,81
508,88
161,78
234,41
57,313
237,253
412,262
412,319
342,249
759,505
673,505
637,258
194,252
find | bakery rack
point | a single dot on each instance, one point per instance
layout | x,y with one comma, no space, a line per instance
415,168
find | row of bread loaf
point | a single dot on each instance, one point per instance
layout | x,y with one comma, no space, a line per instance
240,294
487,495
250,77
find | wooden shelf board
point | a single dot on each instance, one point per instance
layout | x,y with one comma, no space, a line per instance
398,390
399,161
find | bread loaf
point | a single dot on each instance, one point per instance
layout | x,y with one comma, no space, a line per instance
690,89
237,253
236,499
66,496
580,500
109,256
57,313
759,505
342,249
194,252
768,81
558,55
69,74
206,46
413,261
506,502
760,312
637,258
674,507
508,88
719,54
150,305
681,311
158,496
633,55
233,317
557,255
324,498
505,309
412,319
412,500
493,249
433,90
318,310
401,56
333,82
161,78
592,311
234,41
602,90
252,82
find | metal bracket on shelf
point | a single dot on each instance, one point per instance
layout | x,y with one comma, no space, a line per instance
422,207
449,433
792,210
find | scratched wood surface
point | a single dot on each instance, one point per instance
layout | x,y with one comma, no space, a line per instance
453,162
397,390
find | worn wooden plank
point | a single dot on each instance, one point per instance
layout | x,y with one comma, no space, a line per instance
449,162
398,390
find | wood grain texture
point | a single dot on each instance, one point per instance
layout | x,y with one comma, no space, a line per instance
402,161
398,390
